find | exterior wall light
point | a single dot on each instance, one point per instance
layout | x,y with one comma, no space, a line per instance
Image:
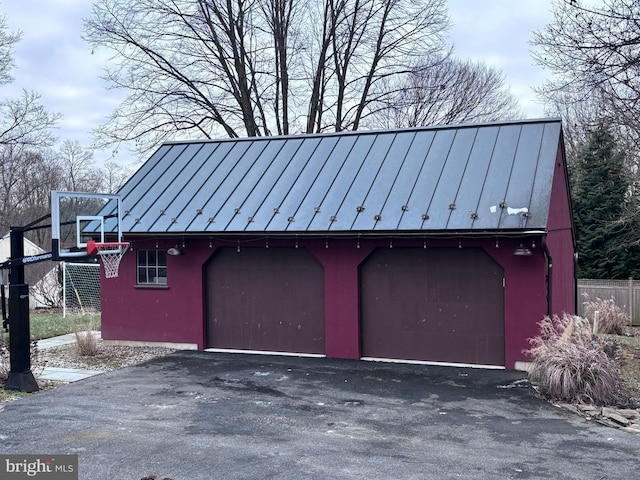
522,251
176,251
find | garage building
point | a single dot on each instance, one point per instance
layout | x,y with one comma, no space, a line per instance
437,244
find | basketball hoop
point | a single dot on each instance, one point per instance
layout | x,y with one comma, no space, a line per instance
110,254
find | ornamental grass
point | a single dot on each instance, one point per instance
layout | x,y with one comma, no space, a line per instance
611,318
570,365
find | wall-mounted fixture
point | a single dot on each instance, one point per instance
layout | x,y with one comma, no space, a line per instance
176,251
522,251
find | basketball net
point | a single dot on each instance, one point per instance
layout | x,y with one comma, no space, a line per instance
110,255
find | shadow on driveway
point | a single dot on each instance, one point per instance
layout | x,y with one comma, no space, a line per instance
199,415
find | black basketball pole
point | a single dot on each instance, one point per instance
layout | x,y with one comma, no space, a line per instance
20,376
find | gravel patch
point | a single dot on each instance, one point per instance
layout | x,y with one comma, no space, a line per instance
107,358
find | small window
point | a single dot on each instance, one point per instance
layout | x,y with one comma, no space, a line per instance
152,267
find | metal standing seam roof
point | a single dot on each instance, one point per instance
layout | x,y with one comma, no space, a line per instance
472,178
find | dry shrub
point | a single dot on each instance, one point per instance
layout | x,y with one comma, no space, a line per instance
611,318
87,343
569,365
37,361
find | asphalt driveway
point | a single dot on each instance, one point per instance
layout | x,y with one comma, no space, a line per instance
199,415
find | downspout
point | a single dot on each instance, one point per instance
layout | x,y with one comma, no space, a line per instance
547,254
575,283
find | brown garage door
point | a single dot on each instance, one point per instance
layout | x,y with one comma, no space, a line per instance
265,299
437,304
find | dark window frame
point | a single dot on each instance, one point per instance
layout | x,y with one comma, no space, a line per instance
151,267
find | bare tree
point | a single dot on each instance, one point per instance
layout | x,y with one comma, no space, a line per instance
369,44
7,41
451,91
257,67
279,15
80,172
114,176
26,178
594,55
23,121
25,135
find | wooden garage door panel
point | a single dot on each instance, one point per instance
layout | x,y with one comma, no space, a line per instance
441,304
265,299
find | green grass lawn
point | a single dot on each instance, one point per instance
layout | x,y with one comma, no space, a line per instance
47,325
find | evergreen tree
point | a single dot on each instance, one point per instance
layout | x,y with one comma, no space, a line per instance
600,192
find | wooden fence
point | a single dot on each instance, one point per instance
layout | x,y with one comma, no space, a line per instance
626,294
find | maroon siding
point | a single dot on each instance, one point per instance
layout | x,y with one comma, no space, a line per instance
177,313
525,296
561,243
340,259
268,299
172,313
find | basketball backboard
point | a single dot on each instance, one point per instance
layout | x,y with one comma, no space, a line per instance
78,217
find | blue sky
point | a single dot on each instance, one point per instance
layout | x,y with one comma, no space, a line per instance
53,60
